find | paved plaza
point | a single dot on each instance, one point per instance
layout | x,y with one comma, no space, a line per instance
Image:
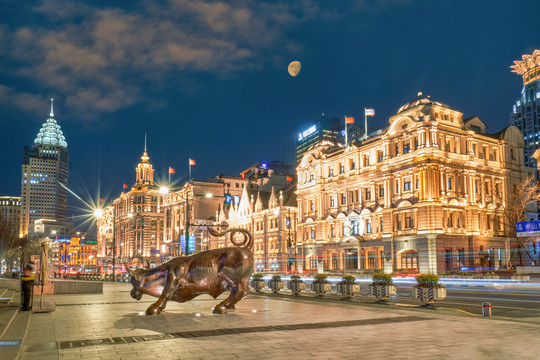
112,326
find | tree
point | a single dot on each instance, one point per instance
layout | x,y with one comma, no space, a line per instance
8,238
525,197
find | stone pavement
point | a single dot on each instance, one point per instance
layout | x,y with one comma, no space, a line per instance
112,326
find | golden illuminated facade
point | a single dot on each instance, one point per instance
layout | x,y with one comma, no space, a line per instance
77,252
271,218
426,195
137,218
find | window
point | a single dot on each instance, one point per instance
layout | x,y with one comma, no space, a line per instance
476,186
380,155
381,190
449,221
461,257
409,259
355,228
512,156
312,205
417,182
406,147
381,223
368,226
449,183
353,165
407,185
332,204
331,172
341,168
397,186
397,149
366,160
368,193
332,231
311,177
343,199
408,221
313,233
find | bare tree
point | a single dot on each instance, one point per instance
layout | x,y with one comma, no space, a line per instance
8,237
525,197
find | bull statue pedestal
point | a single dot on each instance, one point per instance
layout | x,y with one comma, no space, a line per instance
208,272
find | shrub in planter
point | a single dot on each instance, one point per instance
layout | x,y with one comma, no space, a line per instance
320,285
296,284
257,282
275,283
428,290
382,287
347,286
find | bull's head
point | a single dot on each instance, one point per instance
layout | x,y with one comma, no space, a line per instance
135,281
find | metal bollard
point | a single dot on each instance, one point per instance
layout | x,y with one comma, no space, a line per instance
486,309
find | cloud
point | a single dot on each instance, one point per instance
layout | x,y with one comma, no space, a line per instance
99,58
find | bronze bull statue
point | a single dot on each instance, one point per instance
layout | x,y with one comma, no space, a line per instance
208,272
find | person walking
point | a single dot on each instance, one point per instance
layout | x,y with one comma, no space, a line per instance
27,287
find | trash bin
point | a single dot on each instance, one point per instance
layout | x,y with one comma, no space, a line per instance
486,309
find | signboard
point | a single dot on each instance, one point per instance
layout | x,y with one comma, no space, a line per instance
191,244
183,243
306,133
528,228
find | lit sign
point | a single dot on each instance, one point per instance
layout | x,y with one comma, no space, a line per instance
306,133
228,198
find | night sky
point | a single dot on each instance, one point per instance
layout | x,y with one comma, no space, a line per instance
208,79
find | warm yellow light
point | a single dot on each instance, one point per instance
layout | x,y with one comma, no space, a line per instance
164,190
98,213
130,215
209,195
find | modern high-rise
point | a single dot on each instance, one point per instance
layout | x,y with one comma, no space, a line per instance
324,129
526,112
44,177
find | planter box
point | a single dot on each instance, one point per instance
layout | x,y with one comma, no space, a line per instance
348,290
382,292
275,286
320,288
296,286
429,295
258,285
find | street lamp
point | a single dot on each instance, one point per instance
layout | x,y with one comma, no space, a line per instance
208,196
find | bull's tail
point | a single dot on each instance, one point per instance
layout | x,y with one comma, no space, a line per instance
247,240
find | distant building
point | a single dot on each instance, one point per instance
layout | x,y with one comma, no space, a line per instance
135,220
10,211
324,129
77,252
53,228
526,111
427,196
44,177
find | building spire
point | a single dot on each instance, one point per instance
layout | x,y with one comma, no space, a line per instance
144,142
52,111
145,157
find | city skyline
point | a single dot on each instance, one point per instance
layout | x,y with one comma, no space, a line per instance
211,90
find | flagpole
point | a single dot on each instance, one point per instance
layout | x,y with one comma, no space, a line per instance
365,124
346,137
189,169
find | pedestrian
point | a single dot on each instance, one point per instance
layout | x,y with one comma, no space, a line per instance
27,286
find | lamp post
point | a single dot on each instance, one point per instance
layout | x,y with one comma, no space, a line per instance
188,224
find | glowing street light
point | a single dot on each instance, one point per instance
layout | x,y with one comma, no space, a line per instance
164,190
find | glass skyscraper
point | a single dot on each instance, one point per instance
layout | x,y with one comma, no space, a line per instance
44,177
526,112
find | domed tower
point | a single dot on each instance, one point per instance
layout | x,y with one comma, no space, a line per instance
526,111
144,170
44,177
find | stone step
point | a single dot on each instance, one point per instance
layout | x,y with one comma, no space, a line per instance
7,297
11,341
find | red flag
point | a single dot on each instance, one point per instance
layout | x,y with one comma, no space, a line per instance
191,162
171,170
101,200
349,120
289,178
125,186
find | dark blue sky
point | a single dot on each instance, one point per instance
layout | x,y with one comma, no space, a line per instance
208,80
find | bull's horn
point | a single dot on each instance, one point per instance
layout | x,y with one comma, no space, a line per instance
131,272
148,263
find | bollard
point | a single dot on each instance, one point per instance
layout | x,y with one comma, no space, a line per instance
486,309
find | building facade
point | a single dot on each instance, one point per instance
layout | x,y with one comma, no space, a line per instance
426,195
526,111
44,177
10,215
325,128
137,222
193,207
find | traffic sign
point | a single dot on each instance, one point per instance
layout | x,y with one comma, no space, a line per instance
528,228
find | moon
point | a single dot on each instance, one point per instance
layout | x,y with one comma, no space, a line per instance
294,68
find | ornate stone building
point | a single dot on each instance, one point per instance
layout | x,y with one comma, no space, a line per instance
426,195
271,217
138,219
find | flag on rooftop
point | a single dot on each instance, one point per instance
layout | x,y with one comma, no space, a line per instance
370,112
171,170
349,120
191,162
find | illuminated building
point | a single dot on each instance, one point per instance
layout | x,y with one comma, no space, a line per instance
271,217
324,129
44,177
138,220
10,211
197,202
77,252
426,195
105,229
526,111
